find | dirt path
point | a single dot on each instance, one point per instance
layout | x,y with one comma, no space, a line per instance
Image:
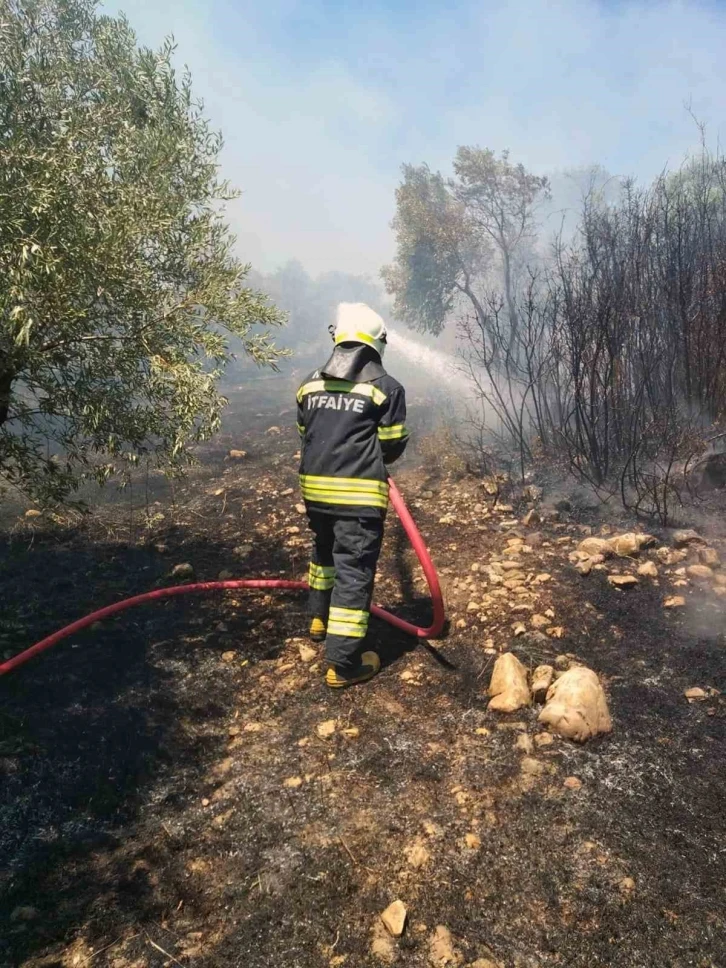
178,787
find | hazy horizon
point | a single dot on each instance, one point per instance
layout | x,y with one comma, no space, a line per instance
320,106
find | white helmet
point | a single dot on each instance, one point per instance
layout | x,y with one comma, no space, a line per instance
358,323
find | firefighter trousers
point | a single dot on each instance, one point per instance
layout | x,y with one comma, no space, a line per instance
341,576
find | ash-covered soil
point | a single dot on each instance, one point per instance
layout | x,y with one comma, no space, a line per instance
178,787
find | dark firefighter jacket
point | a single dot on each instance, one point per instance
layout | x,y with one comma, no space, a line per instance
352,419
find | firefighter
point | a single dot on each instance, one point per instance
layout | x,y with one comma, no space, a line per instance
351,416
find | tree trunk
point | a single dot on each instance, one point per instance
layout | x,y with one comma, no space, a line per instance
6,383
509,296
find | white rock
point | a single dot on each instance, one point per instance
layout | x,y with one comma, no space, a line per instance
648,570
184,570
508,687
541,681
627,545
595,546
441,949
576,706
686,537
700,573
623,581
394,918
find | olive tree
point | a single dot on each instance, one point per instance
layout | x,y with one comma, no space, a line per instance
459,238
119,286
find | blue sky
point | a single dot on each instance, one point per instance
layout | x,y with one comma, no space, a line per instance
321,102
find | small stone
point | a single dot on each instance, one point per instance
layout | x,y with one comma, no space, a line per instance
542,578
623,581
229,656
484,963
300,508
307,653
473,607
441,948
695,694
543,739
242,551
700,573
237,454
273,430
573,783
562,662
461,623
675,601
709,556
326,729
541,681
417,854
531,766
539,621
519,629
627,885
686,537
473,842
32,513
524,743
382,947
595,546
225,575
394,918
24,913
630,544
648,570
293,782
184,570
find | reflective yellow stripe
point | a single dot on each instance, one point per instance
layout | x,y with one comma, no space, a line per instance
301,430
345,483
357,337
322,571
351,622
350,631
351,491
394,432
321,577
341,386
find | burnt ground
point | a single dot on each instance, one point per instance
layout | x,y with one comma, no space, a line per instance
167,797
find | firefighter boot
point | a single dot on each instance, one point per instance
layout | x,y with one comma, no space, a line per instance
318,630
369,666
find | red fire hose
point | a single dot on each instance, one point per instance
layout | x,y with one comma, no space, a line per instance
212,586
